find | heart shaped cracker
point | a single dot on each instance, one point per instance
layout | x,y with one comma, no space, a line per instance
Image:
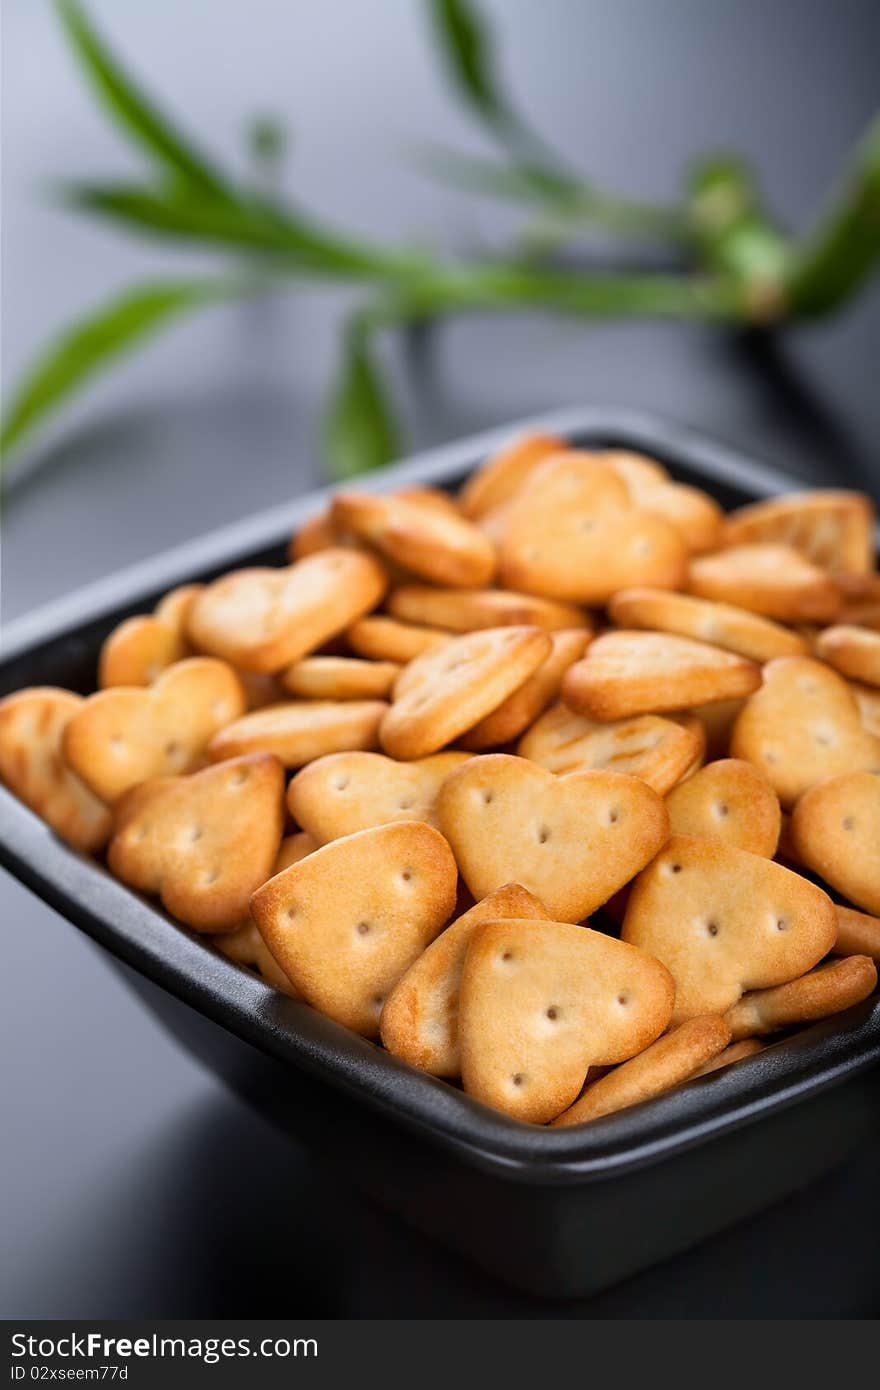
571,533
853,651
347,792
123,736
831,527
626,673
205,842
725,921
445,692
541,1002
828,990
340,678
802,726
419,1022
835,829
720,624
32,724
465,610
672,1059
264,619
695,515
429,540
728,800
301,730
774,580
572,841
659,751
522,708
245,946
345,923
496,481
140,648
385,639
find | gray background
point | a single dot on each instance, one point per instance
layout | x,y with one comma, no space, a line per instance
133,1185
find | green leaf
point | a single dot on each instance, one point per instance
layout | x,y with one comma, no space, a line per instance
843,251
244,224
131,109
467,48
359,430
96,340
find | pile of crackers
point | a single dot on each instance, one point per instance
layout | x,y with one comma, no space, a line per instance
565,789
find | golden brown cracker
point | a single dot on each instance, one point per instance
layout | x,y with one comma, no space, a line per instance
572,841
345,792
345,923
626,673
725,921
542,1002
205,842
301,730
32,764
728,800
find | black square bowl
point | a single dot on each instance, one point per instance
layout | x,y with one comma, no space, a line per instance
561,1212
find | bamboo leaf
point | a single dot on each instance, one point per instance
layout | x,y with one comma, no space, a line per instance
96,340
359,432
243,224
131,109
467,49
843,251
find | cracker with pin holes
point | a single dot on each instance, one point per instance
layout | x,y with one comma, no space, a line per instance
830,526
572,841
464,610
827,990
431,541
801,727
140,648
542,1002
32,764
497,480
419,1022
445,692
299,731
128,734
521,709
675,1057
264,619
626,673
719,624
657,750
572,534
345,792
203,843
725,921
695,515
858,933
835,829
380,638
340,678
853,651
348,921
728,800
245,946
773,580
